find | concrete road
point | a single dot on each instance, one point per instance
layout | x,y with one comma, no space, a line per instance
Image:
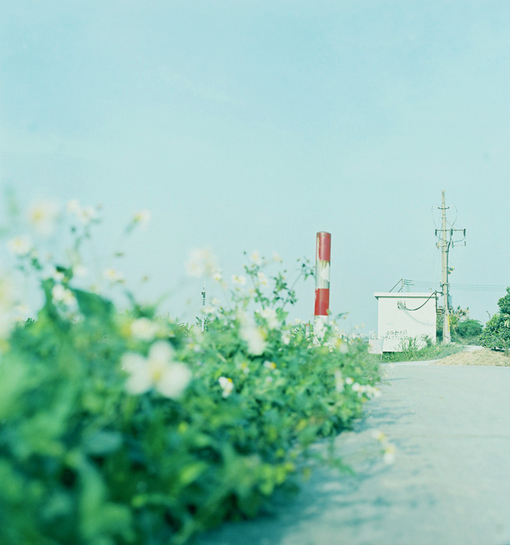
449,484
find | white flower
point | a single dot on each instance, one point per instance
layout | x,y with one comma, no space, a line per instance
161,351
389,449
142,218
276,257
87,215
253,335
201,262
343,347
57,275
227,385
254,338
113,276
239,280
339,381
371,391
389,454
73,207
271,365
269,314
261,279
379,435
244,367
144,329
158,371
20,246
63,296
335,341
79,271
217,276
285,337
43,217
256,257
349,380
319,329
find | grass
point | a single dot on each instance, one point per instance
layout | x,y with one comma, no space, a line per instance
432,352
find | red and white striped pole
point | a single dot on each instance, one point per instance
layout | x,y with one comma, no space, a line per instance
322,267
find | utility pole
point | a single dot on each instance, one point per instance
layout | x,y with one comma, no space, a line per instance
445,248
446,242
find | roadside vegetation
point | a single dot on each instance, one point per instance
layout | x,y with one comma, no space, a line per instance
412,352
496,334
118,426
464,331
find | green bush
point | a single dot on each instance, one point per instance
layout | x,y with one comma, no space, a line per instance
496,334
463,329
124,427
469,329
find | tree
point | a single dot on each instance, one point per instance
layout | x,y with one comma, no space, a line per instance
504,303
497,330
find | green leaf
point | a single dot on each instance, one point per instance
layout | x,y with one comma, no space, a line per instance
91,304
101,443
191,472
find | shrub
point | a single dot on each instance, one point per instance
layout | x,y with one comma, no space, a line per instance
463,328
124,427
469,329
496,334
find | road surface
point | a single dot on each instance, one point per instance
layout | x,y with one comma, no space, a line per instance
449,483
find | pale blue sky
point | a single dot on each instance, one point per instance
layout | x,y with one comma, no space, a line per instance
251,125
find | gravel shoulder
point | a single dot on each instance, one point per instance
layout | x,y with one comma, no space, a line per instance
476,356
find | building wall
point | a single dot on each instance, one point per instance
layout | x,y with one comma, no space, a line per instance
405,315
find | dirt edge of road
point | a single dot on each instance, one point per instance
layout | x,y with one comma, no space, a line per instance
482,356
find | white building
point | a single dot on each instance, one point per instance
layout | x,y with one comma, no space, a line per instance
402,316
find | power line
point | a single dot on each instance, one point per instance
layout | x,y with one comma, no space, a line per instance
433,294
456,287
479,287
